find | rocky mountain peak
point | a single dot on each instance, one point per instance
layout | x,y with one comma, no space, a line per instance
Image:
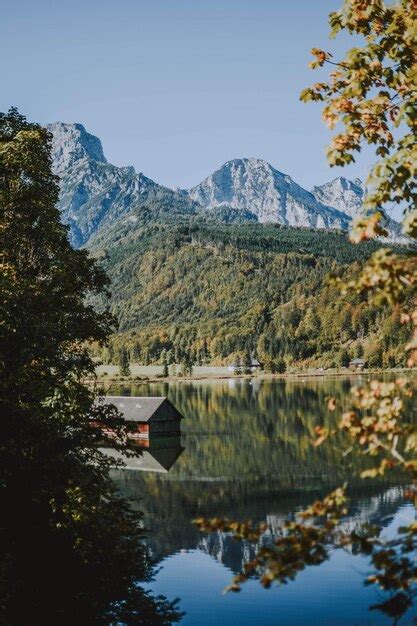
342,194
253,185
72,143
95,193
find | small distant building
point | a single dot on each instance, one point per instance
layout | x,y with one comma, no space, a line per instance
150,416
239,366
357,364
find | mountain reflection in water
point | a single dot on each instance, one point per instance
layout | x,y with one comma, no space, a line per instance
248,454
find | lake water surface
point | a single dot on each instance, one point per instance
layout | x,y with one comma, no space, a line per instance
246,453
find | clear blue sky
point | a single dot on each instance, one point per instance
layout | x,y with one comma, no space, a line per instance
175,87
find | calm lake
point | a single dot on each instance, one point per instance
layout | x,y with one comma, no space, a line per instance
245,452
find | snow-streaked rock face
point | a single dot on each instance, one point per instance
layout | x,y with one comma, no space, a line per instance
347,196
341,194
254,185
93,192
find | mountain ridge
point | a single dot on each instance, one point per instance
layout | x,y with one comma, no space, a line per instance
205,276
95,193
274,197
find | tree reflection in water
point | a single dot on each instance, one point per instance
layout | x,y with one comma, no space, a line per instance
71,550
249,454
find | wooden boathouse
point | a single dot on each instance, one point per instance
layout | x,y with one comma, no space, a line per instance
150,416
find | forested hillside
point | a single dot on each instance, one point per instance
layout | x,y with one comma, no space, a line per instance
215,273
190,290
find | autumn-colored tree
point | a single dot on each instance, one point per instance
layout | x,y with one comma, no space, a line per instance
372,95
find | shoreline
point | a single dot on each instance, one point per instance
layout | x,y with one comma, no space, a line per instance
290,376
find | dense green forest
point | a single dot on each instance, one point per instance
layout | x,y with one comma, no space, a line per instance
196,291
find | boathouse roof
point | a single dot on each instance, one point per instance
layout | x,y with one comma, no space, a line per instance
141,409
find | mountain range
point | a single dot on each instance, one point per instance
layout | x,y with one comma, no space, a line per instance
223,270
95,193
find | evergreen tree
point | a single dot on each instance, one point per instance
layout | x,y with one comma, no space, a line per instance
344,358
110,358
164,359
359,351
124,364
187,365
205,352
280,366
146,359
136,352
247,363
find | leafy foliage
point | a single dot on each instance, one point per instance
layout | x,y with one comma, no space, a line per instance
372,94
371,91
59,506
